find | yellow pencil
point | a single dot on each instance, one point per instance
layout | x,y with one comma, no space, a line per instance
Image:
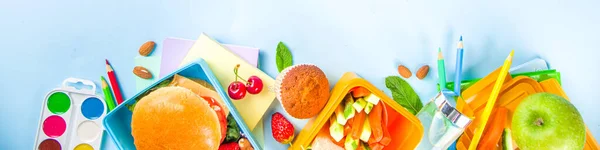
491,101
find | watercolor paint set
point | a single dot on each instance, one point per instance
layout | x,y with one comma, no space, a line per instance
71,117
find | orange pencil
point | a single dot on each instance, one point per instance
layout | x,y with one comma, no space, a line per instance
113,83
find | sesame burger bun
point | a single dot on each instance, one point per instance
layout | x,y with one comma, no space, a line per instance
175,118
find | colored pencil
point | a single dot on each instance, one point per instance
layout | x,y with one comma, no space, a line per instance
113,83
491,101
458,68
441,70
108,95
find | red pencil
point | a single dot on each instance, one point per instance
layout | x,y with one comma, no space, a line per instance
113,82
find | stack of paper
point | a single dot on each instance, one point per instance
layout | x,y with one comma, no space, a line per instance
222,61
175,49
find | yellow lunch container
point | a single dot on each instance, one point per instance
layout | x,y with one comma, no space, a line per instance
513,91
405,129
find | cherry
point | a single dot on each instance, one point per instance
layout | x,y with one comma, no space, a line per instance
236,90
254,85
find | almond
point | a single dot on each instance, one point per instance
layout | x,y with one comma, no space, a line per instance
404,72
147,48
142,72
422,72
245,144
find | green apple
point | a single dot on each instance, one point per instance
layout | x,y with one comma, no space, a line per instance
547,121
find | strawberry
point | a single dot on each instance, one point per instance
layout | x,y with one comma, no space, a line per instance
283,130
230,146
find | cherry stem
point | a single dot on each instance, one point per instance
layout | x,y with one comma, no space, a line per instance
235,71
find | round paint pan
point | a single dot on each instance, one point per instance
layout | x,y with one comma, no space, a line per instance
58,103
88,131
49,144
83,146
92,108
54,126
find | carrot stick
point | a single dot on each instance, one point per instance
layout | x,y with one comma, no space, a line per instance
372,140
375,118
387,138
357,124
360,91
340,143
494,129
376,146
350,121
347,129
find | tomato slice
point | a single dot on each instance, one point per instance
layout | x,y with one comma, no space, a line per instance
220,114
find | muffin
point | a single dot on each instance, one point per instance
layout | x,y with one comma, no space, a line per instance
303,90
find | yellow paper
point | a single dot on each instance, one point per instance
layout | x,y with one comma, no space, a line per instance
222,61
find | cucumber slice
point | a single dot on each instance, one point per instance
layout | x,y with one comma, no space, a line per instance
368,108
339,114
366,131
507,140
336,130
360,104
348,109
351,144
371,98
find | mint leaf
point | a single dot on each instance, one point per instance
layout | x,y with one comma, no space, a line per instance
404,94
283,57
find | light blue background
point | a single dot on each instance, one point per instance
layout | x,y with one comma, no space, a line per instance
43,42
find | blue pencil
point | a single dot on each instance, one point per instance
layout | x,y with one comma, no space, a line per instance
458,71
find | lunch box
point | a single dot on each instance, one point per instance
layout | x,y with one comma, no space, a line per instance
118,121
407,130
513,91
